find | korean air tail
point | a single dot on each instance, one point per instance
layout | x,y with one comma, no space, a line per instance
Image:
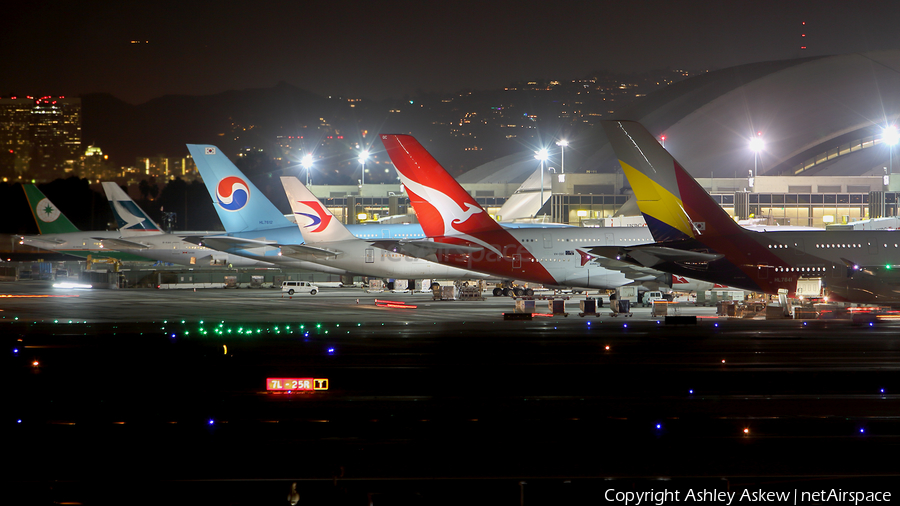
131,219
317,224
239,203
674,205
444,208
49,219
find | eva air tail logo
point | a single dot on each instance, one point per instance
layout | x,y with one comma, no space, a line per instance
46,211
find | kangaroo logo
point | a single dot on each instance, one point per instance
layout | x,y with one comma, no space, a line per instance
468,213
232,193
447,207
320,220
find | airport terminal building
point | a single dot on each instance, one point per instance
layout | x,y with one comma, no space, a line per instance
826,151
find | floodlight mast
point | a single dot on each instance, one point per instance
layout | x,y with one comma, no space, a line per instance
891,136
363,156
541,155
307,163
756,145
562,147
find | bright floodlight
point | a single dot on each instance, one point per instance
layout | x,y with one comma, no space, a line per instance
363,156
891,135
562,143
307,161
757,144
542,155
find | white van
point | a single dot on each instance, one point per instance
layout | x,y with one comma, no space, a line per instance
647,298
299,286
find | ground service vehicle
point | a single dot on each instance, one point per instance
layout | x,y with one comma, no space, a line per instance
292,287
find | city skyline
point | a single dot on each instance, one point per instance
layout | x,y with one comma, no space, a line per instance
473,127
377,50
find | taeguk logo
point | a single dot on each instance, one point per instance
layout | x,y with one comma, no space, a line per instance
232,193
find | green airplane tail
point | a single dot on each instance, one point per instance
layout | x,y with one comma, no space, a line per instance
49,219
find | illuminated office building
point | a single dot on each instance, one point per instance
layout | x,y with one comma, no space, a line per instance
40,138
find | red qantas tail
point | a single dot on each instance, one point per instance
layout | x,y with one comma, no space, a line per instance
444,207
450,215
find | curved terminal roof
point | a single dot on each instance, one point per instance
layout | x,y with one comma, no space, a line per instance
817,116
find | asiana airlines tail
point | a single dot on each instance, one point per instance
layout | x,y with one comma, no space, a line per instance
695,237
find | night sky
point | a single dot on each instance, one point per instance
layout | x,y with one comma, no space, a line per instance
380,49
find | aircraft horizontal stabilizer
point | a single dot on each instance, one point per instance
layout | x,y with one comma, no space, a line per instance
45,240
225,243
631,270
425,248
651,255
304,251
116,244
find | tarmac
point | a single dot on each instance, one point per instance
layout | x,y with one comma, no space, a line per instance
161,397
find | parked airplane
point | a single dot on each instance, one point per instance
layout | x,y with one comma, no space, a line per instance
327,238
254,227
139,234
557,257
60,235
696,238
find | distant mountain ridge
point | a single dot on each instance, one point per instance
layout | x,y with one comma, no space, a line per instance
463,130
165,124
